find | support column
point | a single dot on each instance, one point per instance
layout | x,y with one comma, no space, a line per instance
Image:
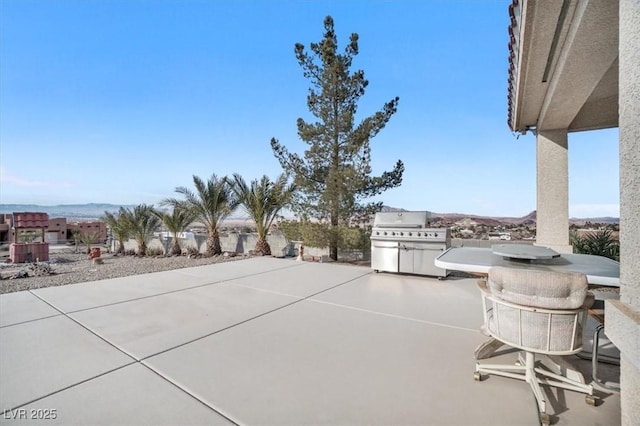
552,228
623,317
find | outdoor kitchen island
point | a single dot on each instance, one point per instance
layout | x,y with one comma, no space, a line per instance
402,242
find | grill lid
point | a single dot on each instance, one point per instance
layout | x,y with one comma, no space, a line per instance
401,219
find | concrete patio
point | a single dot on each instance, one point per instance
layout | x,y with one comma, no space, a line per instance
262,341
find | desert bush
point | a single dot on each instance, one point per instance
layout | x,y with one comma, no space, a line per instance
40,269
154,251
88,239
191,249
313,234
598,243
316,234
27,236
130,252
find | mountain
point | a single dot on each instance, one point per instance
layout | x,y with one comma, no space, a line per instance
70,211
527,220
96,211
450,218
606,219
91,211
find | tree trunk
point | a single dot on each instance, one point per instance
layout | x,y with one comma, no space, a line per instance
142,248
120,249
333,251
262,247
175,247
213,243
210,243
333,240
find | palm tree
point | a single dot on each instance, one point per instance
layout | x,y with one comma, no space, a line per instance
142,223
88,239
74,234
176,222
212,202
598,243
262,201
119,227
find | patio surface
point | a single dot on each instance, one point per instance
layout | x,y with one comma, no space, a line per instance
262,341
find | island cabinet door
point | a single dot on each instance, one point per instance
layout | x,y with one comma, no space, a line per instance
384,256
406,258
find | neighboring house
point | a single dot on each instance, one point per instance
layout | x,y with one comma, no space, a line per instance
5,228
58,230
96,227
575,66
505,236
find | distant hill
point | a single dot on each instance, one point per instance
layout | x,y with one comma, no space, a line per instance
607,219
90,211
70,211
96,210
527,220
450,218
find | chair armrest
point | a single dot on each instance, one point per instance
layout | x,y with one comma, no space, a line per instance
482,285
588,300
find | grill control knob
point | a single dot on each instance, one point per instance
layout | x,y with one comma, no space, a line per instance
377,232
435,234
385,232
402,233
409,233
393,233
418,234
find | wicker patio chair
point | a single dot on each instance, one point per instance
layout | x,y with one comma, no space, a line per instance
540,313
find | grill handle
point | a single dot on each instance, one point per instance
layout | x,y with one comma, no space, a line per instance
397,225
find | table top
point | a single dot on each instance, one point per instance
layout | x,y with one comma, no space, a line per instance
598,269
524,251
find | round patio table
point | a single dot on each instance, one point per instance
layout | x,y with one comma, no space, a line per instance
598,269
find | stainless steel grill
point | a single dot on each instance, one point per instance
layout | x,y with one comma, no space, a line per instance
403,242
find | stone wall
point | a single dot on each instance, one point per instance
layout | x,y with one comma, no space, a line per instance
281,247
234,242
244,243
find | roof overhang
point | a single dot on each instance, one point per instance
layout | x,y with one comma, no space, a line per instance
563,60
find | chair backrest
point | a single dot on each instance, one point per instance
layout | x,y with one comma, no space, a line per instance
539,311
542,289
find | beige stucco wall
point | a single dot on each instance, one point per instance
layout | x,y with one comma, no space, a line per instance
623,317
59,226
552,229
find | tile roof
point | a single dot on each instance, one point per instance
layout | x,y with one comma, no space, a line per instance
514,39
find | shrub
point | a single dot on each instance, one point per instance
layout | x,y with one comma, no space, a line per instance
598,243
88,239
27,236
316,234
154,251
191,249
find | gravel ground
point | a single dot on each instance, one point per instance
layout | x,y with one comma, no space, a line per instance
71,268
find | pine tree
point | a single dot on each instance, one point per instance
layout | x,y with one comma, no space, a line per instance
334,177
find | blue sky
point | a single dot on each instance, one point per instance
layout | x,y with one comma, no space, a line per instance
122,101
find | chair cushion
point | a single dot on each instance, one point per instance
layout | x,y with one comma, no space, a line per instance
541,289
